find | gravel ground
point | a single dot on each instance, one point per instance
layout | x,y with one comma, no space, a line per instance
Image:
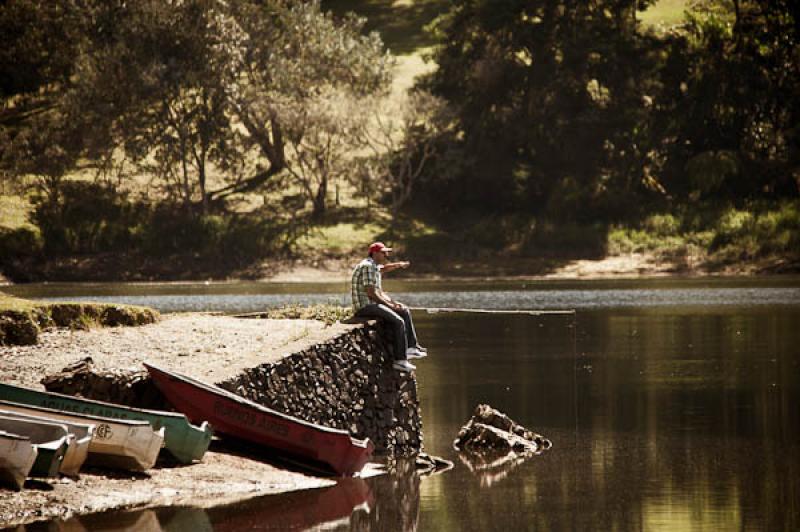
207,347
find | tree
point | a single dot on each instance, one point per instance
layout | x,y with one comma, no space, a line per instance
320,137
552,100
402,140
39,125
156,83
729,111
291,57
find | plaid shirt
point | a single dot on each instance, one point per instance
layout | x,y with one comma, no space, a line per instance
366,273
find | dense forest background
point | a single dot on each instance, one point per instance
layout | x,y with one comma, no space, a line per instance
187,138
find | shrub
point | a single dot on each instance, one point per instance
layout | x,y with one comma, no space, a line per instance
21,242
85,217
662,224
231,239
173,229
18,328
567,240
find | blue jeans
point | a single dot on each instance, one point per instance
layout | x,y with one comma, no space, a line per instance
400,322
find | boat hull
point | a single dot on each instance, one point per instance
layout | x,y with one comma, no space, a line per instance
186,442
238,417
53,441
79,449
116,443
17,456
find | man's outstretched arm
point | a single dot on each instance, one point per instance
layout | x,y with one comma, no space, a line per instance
386,268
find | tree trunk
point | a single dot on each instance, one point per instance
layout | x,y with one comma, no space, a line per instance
319,200
201,171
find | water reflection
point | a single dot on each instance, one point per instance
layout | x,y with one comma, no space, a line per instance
490,468
329,508
669,419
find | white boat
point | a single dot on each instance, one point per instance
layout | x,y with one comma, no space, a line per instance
79,449
17,455
116,443
51,440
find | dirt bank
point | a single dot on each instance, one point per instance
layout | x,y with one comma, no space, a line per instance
204,346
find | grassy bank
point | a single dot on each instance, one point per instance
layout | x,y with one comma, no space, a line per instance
717,237
22,320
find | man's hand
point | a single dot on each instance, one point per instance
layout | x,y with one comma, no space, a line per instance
402,265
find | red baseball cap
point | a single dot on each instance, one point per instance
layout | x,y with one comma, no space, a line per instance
378,246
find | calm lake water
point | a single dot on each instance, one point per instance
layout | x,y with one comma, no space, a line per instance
671,404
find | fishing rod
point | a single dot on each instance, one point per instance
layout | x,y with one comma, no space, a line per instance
529,312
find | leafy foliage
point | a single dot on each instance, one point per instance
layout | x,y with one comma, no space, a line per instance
551,97
728,111
569,111
85,217
203,96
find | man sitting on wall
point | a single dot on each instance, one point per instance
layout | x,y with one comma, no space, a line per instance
370,301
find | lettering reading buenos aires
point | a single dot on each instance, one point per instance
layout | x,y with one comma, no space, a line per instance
247,417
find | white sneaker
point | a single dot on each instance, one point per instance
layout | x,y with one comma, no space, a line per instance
413,352
404,365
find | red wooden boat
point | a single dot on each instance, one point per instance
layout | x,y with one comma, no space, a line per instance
241,418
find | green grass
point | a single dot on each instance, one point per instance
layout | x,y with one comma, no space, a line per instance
14,212
21,320
664,13
340,238
14,304
726,236
400,23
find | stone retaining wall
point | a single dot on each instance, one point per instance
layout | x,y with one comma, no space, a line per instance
346,382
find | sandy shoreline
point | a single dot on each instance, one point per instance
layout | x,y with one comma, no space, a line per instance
204,346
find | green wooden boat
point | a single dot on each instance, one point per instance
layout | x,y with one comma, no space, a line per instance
186,442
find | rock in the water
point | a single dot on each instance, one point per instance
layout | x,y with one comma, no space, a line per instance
492,431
